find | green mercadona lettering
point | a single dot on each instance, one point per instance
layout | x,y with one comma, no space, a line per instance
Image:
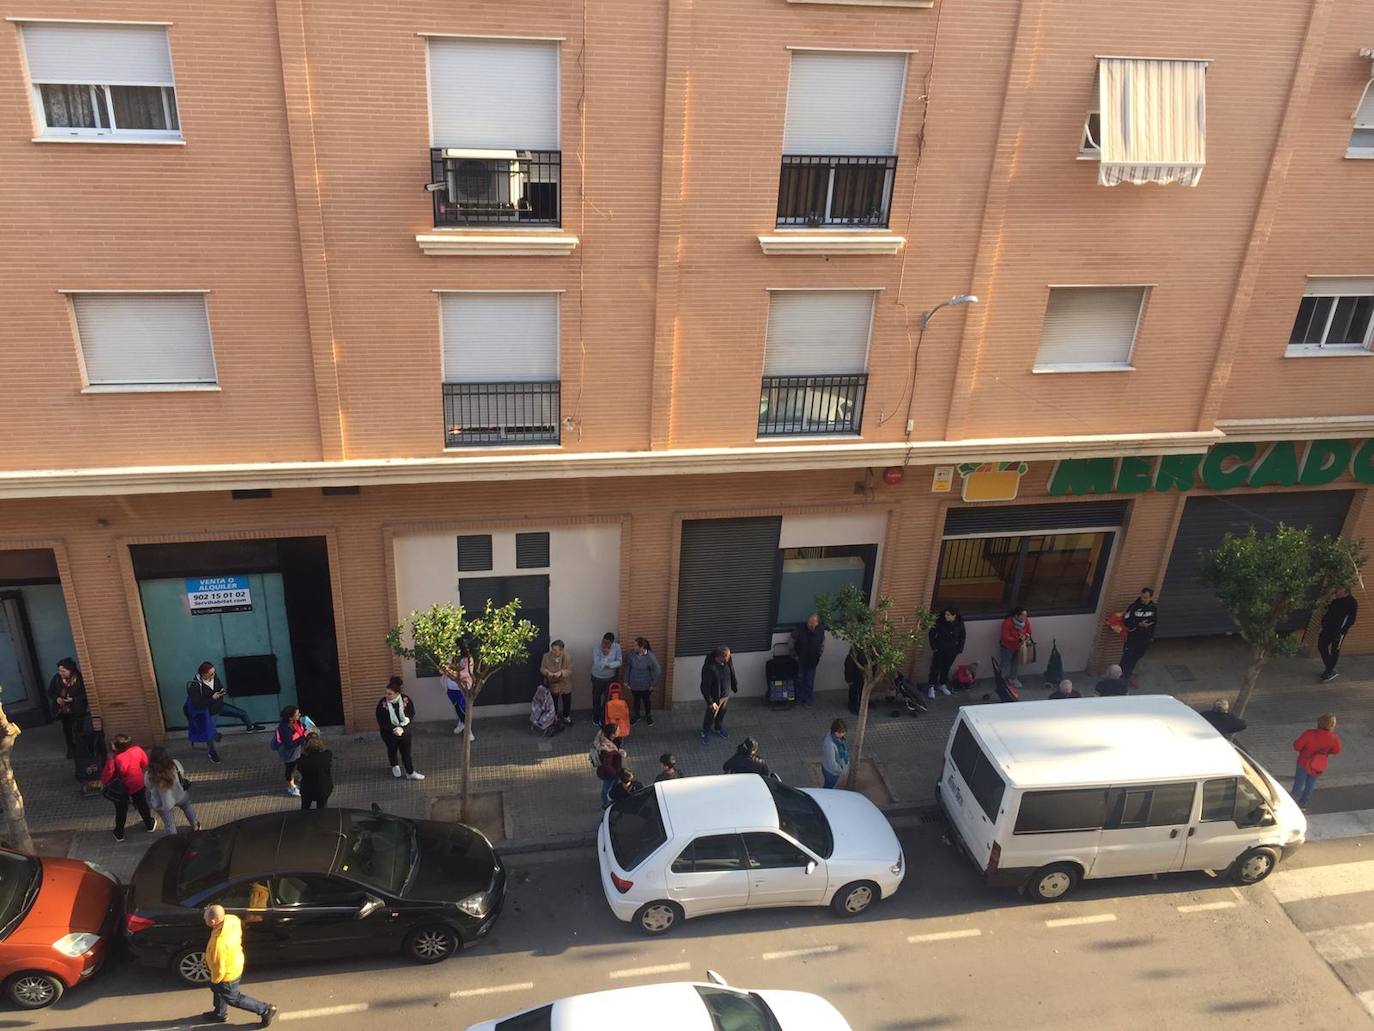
1284,463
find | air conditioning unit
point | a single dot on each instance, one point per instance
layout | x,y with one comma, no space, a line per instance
489,181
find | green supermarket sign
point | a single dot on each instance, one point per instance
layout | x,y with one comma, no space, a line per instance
1284,463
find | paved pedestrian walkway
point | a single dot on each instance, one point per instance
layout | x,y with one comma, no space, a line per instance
549,792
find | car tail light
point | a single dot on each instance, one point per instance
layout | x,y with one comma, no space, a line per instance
621,885
994,857
133,923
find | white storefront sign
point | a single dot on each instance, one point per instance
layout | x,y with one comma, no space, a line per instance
208,595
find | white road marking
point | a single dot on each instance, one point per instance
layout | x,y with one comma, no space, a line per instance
1319,882
1367,998
1074,921
1344,944
940,936
323,1011
1236,892
662,968
1203,907
468,993
818,950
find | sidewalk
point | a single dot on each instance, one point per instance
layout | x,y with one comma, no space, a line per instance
548,792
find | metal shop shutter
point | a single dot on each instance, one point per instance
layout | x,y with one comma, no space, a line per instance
727,584
1188,608
1008,519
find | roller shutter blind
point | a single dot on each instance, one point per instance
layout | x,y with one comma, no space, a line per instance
498,338
474,552
842,103
818,333
1090,326
531,550
110,55
727,584
493,93
1004,519
130,339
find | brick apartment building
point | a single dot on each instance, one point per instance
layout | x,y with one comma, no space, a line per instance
630,308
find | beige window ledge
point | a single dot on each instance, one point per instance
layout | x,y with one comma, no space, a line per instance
841,242
479,242
868,3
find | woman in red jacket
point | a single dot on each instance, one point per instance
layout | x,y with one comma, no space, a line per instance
1313,747
1016,631
123,780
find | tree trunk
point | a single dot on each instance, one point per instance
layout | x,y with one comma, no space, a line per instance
857,754
467,754
13,801
1258,657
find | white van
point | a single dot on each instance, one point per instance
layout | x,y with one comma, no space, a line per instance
1043,794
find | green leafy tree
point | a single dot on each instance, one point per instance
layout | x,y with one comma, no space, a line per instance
494,640
881,643
1262,580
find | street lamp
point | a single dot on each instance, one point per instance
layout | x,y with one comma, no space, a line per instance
916,353
956,299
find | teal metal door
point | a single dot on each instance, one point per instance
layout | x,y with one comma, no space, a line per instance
35,635
180,642
17,675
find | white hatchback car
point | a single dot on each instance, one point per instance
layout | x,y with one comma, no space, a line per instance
685,848
678,1007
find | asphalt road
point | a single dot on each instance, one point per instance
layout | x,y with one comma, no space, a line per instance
1183,951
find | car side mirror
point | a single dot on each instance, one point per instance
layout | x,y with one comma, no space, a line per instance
811,867
370,905
715,978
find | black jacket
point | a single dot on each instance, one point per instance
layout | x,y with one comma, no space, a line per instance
1137,615
384,726
201,695
743,762
621,790
852,673
947,638
718,680
1339,616
317,773
809,645
77,706
1112,686
1225,722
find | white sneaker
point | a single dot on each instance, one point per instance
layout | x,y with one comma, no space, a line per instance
944,689
930,691
415,776
458,729
395,771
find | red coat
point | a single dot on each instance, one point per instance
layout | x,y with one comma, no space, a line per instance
1011,637
1313,746
129,765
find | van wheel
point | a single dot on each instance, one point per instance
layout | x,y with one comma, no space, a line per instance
1254,865
1051,883
853,899
33,989
658,917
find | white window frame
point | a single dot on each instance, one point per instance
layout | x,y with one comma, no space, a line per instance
140,386
1146,289
1362,124
1090,147
1323,349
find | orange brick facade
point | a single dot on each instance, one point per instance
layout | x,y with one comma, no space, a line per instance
297,197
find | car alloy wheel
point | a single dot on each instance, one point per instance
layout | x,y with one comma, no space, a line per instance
657,917
431,944
33,990
191,967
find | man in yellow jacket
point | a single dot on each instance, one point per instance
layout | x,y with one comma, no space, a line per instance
224,957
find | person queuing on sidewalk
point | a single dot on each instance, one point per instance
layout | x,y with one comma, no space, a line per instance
1337,620
1313,748
668,770
1015,637
206,692
67,690
642,674
224,957
606,663
609,760
747,760
123,780
718,683
288,740
1223,719
315,769
456,689
557,670
834,755
947,637
854,678
395,722
1140,631
1064,690
1113,684
168,790
626,786
808,642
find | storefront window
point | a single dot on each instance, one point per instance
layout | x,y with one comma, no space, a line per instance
807,572
1051,574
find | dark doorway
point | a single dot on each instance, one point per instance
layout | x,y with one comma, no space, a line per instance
516,683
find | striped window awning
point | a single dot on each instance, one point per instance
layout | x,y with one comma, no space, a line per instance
1153,120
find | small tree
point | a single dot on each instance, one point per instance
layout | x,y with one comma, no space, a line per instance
16,823
1263,580
880,642
494,640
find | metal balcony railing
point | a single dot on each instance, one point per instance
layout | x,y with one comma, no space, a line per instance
816,190
791,406
495,414
496,187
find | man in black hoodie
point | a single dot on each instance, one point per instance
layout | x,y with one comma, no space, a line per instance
718,683
1336,620
1140,631
947,638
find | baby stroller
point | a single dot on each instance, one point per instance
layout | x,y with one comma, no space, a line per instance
542,717
780,672
907,696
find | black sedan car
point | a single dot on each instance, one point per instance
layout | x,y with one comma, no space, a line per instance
316,885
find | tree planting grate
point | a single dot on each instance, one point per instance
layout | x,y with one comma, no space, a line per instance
1181,674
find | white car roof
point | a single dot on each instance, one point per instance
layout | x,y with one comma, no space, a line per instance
725,802
1118,740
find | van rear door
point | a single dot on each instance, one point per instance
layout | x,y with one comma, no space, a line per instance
971,791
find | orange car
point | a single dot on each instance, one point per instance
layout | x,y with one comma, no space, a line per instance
57,920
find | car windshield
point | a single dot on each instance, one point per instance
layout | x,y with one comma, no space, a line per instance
636,828
205,863
1255,777
736,1011
801,817
19,880
380,851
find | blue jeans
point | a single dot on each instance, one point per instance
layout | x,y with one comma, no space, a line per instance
237,713
606,786
1304,784
227,994
806,684
828,779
